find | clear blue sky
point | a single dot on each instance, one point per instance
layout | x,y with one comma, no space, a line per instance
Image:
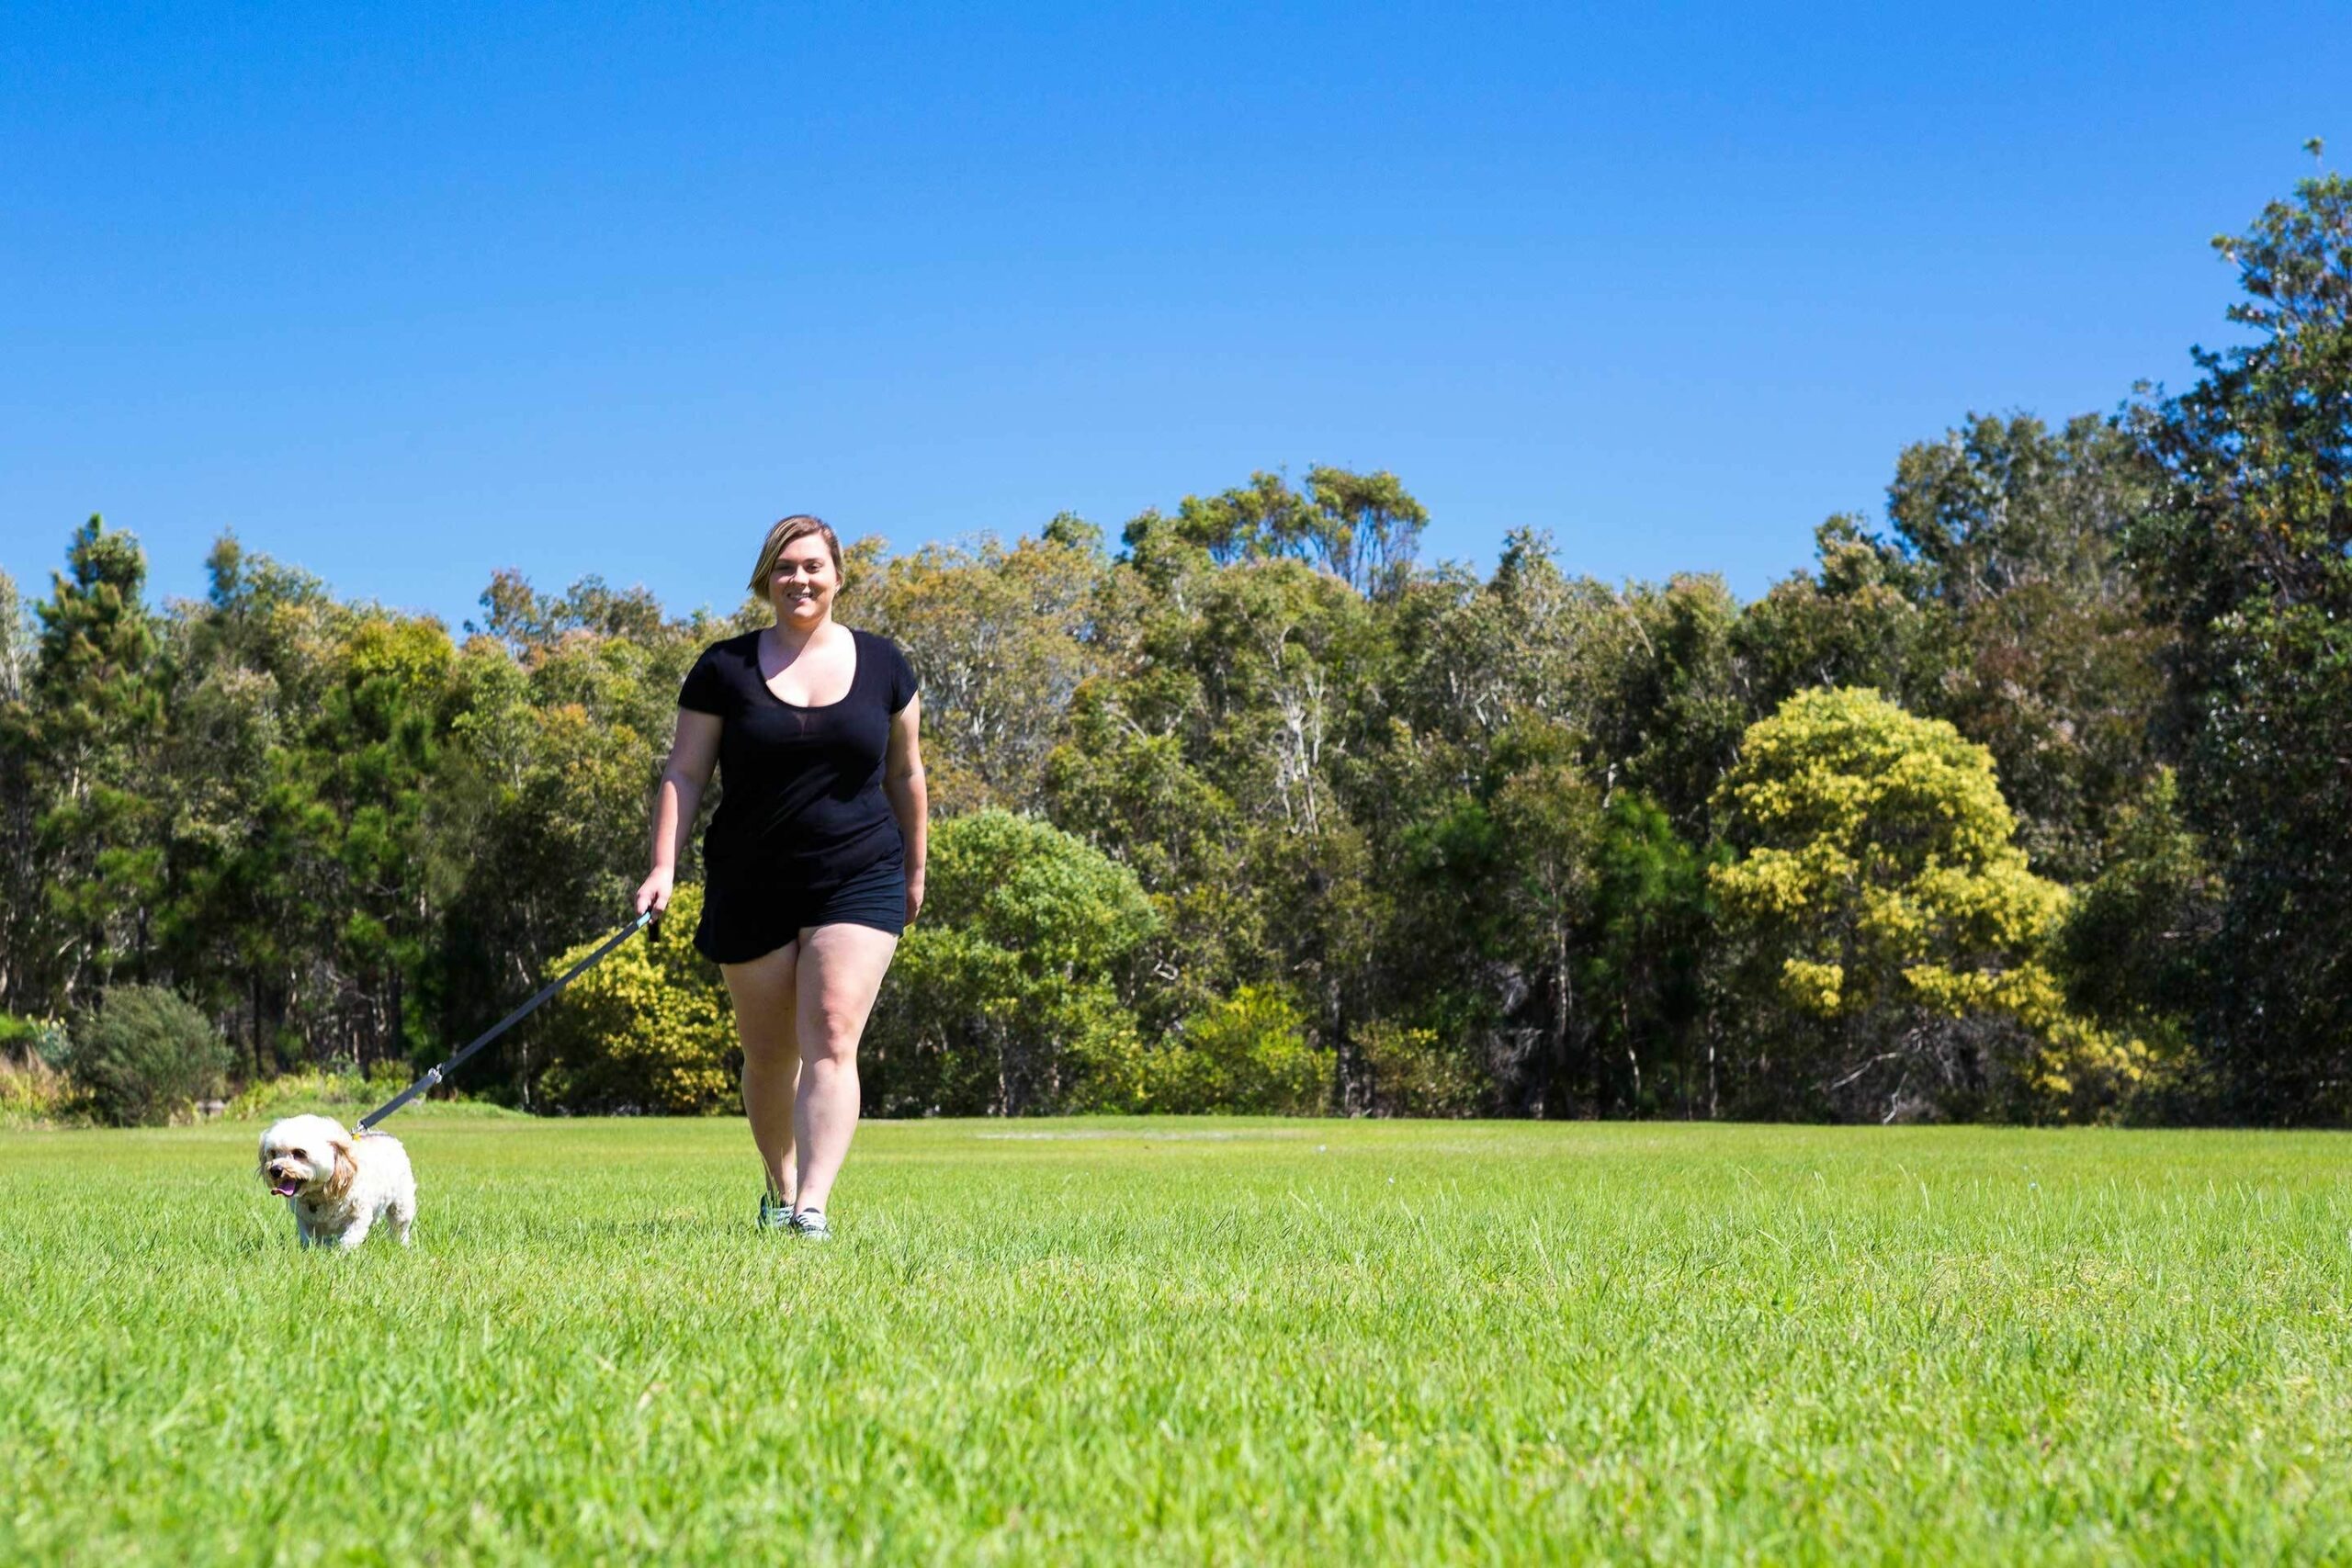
408,294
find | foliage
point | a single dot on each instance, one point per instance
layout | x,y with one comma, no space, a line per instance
2247,553
43,1038
85,732
1643,953
2136,941
1468,824
142,1054
1003,639
1363,529
648,1030
1878,901
1248,1053
1415,1072
32,1091
2011,532
1006,997
345,1094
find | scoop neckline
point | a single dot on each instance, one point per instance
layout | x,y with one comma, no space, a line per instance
856,667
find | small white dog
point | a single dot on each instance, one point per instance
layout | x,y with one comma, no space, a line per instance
338,1185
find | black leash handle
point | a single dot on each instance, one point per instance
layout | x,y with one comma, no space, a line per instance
434,1076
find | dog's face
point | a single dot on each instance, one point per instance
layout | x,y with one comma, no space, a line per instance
307,1155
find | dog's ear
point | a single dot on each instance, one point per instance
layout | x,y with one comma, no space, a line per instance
346,1166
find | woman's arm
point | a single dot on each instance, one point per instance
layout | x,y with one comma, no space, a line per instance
902,781
692,755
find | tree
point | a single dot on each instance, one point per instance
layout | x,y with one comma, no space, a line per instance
1888,934
554,742
1007,998
2137,940
1135,796
2247,554
1001,639
377,748
1854,621
93,725
1364,529
243,672
20,880
1640,961
527,621
17,644
1497,884
1674,695
2012,532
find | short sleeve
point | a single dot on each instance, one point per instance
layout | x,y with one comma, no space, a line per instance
903,684
705,690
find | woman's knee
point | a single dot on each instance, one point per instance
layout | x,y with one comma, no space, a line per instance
768,1048
828,1033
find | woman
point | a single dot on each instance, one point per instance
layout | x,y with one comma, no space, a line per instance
813,865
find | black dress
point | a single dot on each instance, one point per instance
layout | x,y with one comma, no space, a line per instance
804,835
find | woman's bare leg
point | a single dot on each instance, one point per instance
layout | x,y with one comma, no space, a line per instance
767,1021
839,975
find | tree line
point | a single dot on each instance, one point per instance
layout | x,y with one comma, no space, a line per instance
2033,804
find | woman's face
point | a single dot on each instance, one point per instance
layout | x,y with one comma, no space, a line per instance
803,584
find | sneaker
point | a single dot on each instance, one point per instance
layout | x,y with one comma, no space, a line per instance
775,1214
810,1222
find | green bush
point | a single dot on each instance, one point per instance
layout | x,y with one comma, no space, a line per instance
1004,999
143,1054
1245,1056
650,1029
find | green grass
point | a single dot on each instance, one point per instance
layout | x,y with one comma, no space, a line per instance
1193,1341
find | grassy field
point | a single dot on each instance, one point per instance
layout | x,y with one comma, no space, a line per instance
1193,1341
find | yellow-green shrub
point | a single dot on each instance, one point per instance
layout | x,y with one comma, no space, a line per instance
1414,1073
1245,1056
31,1091
648,1030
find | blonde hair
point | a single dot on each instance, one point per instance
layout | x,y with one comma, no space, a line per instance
800,525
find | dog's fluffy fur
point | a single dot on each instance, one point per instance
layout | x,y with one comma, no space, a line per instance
338,1185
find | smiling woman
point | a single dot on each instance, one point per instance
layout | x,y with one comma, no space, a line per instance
814,861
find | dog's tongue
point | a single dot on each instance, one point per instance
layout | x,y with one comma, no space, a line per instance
285,1188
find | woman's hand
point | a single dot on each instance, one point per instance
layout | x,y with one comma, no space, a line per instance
914,894
653,893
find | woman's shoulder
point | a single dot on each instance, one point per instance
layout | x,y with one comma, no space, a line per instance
882,667
714,683
886,654
732,650
728,659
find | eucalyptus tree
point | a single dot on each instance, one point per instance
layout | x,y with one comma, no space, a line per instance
2247,552
1001,636
2046,656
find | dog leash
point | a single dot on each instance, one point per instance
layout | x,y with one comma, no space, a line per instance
634,924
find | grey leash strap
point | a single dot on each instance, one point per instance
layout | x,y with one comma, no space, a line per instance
434,1076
